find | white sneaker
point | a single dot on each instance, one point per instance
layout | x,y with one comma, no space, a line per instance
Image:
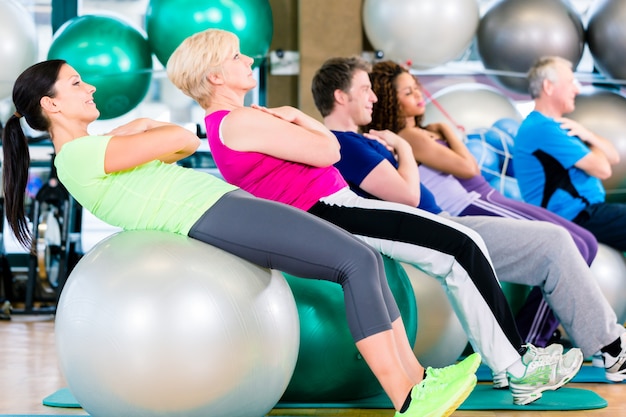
615,367
544,372
500,379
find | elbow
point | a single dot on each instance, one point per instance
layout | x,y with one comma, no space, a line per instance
615,160
412,198
466,170
604,174
330,157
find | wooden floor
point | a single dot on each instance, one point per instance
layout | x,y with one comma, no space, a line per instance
29,372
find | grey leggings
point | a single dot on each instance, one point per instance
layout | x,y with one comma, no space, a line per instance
277,236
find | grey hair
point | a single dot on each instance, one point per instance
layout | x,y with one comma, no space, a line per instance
544,69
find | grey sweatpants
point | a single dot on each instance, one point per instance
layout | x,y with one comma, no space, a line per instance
542,254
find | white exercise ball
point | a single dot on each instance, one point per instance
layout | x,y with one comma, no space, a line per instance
18,44
153,323
428,33
609,270
470,105
440,337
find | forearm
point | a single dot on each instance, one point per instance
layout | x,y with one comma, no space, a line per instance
309,123
407,168
606,148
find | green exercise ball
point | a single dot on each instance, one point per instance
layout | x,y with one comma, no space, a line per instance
110,54
329,366
169,22
516,294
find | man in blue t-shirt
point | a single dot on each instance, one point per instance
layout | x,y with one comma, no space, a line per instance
559,164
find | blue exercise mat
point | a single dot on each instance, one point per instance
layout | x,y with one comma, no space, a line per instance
587,373
484,397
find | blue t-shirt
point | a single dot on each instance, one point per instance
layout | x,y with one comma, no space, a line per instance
544,167
360,155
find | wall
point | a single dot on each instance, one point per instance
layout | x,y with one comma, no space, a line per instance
318,30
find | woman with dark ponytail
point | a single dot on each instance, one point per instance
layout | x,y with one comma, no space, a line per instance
129,178
16,156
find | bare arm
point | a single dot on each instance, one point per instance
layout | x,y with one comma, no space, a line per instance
400,185
603,154
145,140
283,132
456,159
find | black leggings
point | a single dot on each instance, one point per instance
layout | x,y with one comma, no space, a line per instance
277,236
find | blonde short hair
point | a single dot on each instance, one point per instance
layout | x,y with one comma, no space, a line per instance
198,56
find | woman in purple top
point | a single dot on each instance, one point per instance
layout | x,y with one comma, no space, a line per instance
445,159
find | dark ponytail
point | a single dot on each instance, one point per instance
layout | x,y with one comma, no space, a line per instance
30,87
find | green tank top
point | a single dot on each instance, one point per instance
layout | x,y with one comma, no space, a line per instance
153,196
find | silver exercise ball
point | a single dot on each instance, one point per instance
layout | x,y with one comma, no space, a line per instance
158,324
18,44
513,34
606,37
609,270
428,33
440,337
470,105
603,111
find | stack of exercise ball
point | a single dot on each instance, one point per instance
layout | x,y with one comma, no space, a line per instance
18,43
110,54
513,34
426,33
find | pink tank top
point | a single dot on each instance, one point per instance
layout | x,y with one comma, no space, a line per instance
271,178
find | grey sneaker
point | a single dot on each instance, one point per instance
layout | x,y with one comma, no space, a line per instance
501,380
615,367
544,372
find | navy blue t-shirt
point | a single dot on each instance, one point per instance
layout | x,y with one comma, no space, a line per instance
360,155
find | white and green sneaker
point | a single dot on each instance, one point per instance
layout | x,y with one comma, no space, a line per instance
544,371
501,380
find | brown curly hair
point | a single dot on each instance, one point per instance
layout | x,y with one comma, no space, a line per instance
387,114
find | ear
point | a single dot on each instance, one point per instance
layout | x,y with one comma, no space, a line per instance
340,96
547,87
215,78
47,103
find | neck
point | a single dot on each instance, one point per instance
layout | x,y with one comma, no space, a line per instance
340,122
547,110
410,122
61,133
225,100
